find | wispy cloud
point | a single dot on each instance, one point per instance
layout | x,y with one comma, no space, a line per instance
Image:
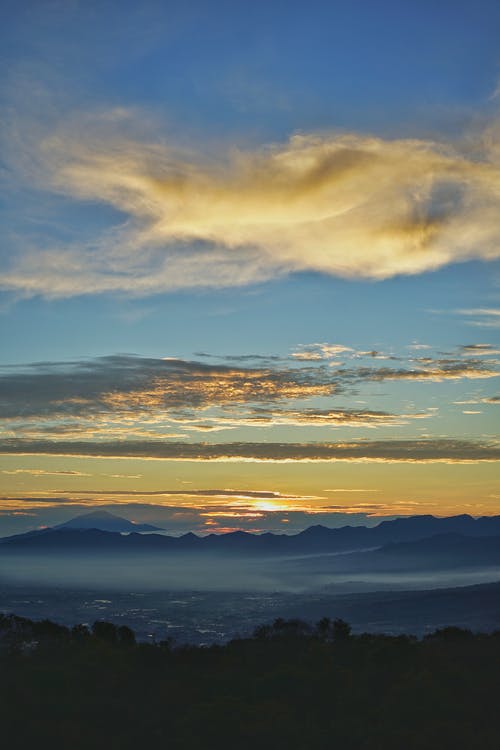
494,400
306,416
311,352
485,317
496,92
44,472
436,370
204,499
484,350
344,204
351,489
494,311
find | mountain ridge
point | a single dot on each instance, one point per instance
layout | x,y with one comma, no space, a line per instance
314,539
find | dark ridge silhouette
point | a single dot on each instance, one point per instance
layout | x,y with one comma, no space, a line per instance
313,540
447,547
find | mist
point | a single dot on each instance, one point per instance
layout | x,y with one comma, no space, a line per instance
336,573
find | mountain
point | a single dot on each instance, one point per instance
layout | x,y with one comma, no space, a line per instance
312,541
81,540
105,521
444,549
442,552
415,611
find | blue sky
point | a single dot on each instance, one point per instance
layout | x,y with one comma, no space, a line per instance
297,206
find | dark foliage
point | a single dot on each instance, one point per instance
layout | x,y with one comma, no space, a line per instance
292,685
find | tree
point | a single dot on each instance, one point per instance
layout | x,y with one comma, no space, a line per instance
126,635
80,632
341,630
105,631
323,628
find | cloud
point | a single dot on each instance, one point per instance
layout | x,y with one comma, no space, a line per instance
495,400
213,495
124,384
481,311
436,370
141,399
485,350
351,489
325,351
486,317
44,472
350,205
123,476
313,352
262,417
127,384
496,92
389,451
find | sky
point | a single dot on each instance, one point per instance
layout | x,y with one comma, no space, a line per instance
249,271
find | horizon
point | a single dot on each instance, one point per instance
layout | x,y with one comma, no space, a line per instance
69,524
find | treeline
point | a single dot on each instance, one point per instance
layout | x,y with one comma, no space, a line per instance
291,685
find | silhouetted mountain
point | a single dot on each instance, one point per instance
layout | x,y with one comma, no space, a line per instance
105,521
57,539
314,540
447,548
475,606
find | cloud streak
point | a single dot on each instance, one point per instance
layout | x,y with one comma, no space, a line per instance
45,473
485,317
345,204
388,451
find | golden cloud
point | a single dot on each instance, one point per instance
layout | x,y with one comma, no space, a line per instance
351,205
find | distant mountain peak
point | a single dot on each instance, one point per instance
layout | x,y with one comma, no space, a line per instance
318,527
103,520
97,514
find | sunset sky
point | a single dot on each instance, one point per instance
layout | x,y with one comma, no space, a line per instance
249,265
